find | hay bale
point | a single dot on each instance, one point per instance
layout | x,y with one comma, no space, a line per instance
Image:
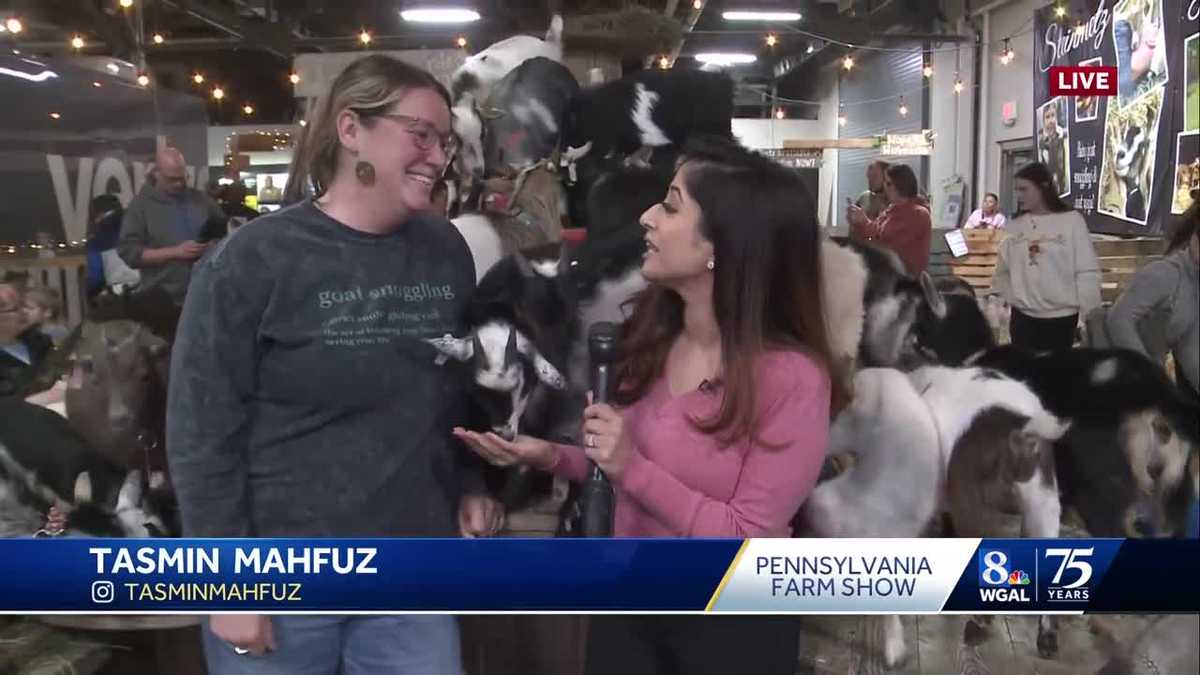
31,648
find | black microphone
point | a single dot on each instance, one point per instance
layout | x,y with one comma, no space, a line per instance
597,492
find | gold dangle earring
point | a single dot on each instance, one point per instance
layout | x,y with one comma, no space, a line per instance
364,171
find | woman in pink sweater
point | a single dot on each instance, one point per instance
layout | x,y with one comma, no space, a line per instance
724,391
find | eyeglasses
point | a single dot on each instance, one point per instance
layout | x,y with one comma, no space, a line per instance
425,135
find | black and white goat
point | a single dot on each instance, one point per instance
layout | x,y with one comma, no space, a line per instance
44,464
471,85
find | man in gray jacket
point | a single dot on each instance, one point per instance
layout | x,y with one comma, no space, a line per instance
162,227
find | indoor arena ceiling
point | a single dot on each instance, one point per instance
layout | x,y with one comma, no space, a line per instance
249,44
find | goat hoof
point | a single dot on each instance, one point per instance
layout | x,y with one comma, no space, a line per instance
975,633
1047,644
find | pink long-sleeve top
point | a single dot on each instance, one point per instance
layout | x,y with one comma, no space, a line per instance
680,482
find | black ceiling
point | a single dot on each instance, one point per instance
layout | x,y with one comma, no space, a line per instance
247,45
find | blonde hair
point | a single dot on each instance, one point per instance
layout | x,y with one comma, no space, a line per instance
368,86
45,299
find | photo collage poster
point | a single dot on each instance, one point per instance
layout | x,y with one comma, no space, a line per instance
1120,160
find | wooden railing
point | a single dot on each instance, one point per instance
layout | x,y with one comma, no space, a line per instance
66,275
1120,259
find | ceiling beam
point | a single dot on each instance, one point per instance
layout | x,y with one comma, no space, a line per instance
270,38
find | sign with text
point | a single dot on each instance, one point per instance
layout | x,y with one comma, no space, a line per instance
1110,84
1083,81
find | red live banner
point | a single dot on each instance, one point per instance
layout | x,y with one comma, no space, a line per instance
1083,80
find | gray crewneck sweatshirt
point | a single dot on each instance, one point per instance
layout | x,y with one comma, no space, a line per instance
1160,304
303,399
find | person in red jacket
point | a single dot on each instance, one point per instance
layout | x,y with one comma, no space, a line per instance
905,226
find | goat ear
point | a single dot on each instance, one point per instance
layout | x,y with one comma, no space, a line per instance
450,347
511,355
130,495
83,488
933,296
546,372
1025,452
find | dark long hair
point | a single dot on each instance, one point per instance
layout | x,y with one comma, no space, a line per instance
1186,227
1039,174
904,180
767,285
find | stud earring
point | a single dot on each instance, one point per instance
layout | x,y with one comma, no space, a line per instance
711,264
365,173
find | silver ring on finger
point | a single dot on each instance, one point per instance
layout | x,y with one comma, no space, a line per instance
240,651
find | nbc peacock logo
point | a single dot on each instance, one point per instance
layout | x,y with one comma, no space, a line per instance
1018,578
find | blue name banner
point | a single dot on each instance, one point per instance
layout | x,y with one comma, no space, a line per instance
794,576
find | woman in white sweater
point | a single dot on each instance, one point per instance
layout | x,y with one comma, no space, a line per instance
1047,269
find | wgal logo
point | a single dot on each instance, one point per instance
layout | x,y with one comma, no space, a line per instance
1070,581
1001,576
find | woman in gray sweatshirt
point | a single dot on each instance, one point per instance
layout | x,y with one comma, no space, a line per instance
1158,311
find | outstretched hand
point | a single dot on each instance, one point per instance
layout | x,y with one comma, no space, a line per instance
523,450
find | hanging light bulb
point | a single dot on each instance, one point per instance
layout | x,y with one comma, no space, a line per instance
810,49
779,114
461,41
158,38
55,116
303,123
248,109
927,71
903,109
97,85
1060,11
143,79
842,116
1007,56
218,93
664,63
364,37
848,62
698,5
772,40
294,78
198,78
126,4
958,85
77,42
14,25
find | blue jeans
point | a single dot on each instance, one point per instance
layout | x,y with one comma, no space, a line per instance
347,645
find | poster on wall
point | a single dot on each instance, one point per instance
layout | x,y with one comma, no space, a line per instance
1118,153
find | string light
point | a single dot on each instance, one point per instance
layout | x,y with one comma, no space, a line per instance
248,109
842,116
810,49
55,116
364,37
461,42
698,5
14,25
664,63
143,79
294,78
903,109
772,40
958,84
126,4
97,85
198,78
927,71
77,42
303,123
1007,56
848,62
159,39
779,114
218,93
